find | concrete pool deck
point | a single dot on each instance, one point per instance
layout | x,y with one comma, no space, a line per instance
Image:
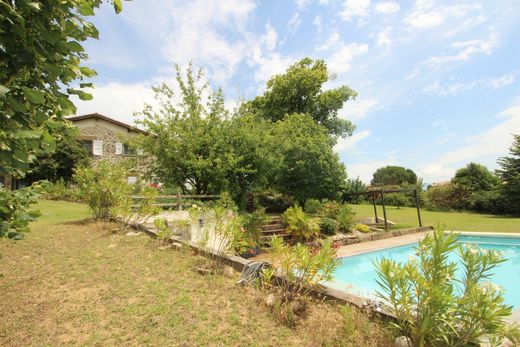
365,247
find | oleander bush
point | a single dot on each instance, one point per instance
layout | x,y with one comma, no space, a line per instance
443,302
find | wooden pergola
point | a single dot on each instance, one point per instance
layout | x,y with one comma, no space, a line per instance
376,193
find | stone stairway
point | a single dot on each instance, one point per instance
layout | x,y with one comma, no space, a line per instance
275,226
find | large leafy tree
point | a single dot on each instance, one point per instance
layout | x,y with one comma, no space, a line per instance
509,172
300,90
475,177
198,145
40,59
393,175
309,168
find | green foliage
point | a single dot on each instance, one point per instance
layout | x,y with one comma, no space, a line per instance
60,190
129,213
393,175
303,269
272,200
397,199
300,225
252,223
14,211
328,226
222,233
40,58
435,308
330,209
198,146
101,186
362,228
60,165
509,172
345,218
299,91
309,167
313,206
354,186
475,177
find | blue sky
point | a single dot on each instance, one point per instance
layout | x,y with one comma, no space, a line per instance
438,81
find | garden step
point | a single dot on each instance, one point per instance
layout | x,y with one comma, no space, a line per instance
273,231
272,226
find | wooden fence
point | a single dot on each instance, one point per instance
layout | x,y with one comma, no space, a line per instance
178,199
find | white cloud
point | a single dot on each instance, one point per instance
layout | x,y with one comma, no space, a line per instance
365,170
333,41
271,37
502,81
340,60
354,8
356,109
492,143
117,100
349,142
388,7
426,14
384,39
458,87
294,23
435,173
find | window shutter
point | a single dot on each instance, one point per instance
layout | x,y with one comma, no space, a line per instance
97,147
119,148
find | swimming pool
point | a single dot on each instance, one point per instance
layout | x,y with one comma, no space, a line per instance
357,275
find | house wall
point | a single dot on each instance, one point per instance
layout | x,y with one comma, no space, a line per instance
110,134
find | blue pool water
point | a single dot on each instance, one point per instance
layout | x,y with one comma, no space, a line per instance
357,275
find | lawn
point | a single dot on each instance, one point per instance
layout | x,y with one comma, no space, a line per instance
76,283
459,221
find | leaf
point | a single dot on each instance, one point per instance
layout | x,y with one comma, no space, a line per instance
16,105
3,89
75,46
86,9
87,72
30,134
118,6
34,96
35,5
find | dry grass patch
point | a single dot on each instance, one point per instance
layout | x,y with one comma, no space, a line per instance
81,284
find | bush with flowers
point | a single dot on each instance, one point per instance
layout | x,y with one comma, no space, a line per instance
436,303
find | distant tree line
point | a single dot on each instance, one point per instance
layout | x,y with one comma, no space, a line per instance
476,188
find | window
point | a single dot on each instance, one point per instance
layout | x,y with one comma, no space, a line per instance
87,145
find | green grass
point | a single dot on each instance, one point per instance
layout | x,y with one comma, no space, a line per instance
459,221
77,283
54,212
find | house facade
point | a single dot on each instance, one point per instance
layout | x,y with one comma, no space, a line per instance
108,139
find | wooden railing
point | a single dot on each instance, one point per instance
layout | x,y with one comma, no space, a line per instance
178,199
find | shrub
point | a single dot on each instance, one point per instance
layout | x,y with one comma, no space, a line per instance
129,213
222,233
435,308
313,206
252,224
329,226
301,226
362,228
14,211
330,209
60,190
273,201
345,218
302,268
101,186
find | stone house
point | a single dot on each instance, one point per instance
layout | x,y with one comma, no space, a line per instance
108,139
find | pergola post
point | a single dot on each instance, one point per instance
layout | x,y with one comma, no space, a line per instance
384,209
375,208
417,206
